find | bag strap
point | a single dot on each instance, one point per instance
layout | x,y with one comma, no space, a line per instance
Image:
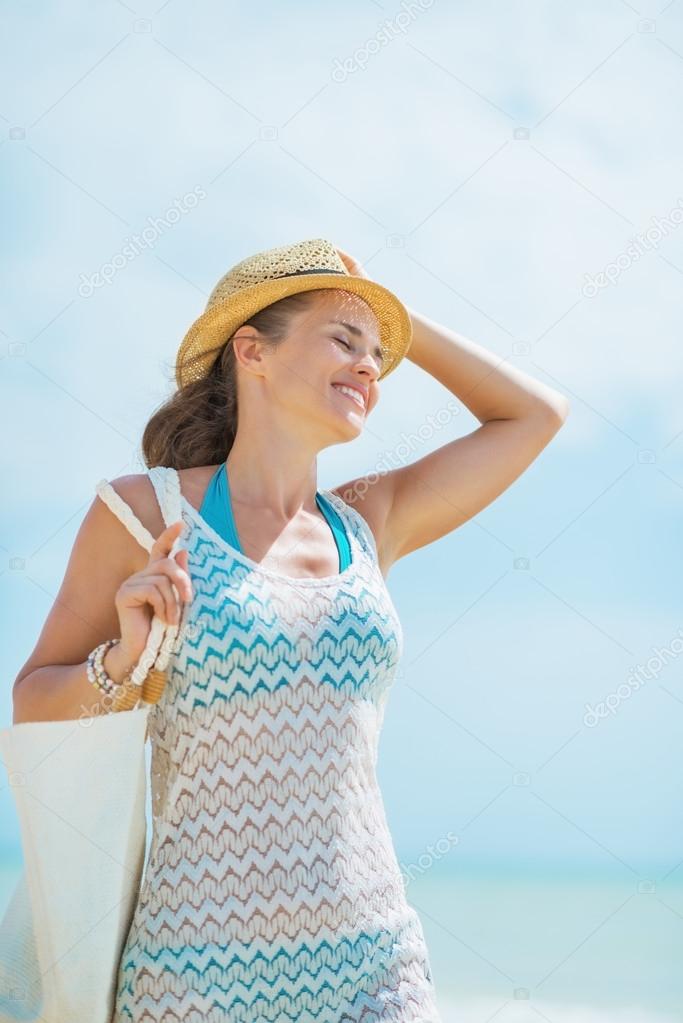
125,513
166,483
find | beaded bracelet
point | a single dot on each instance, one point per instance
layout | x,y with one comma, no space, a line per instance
96,671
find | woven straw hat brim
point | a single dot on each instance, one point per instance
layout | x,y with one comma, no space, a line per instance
211,330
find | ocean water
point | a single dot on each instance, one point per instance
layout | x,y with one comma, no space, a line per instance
549,945
487,1010
529,948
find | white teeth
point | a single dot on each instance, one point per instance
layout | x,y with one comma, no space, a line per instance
351,393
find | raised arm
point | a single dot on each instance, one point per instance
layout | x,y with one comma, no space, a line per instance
415,504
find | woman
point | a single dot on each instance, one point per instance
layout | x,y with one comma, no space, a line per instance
272,889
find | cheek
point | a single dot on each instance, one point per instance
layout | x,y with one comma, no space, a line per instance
307,370
334,352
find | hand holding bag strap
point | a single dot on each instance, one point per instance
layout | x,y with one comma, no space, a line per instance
166,485
149,677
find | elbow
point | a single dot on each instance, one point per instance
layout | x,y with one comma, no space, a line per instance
547,419
21,710
564,408
17,714
555,411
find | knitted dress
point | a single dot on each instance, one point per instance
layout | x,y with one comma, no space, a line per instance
272,892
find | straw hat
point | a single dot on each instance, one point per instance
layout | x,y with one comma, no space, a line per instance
268,276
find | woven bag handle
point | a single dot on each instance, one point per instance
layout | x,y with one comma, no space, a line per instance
151,670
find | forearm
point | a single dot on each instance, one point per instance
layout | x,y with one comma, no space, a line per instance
488,385
63,692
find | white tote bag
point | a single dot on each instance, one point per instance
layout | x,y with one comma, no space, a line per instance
80,790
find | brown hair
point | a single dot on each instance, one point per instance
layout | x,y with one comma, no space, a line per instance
197,424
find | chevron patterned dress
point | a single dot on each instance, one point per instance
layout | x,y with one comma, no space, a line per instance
272,892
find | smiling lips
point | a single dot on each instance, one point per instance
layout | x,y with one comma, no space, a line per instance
352,393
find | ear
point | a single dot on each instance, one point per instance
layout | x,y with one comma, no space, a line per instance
249,345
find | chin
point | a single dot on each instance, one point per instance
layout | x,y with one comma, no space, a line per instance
351,429
353,422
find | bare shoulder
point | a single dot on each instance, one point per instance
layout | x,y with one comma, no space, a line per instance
137,491
371,497
103,555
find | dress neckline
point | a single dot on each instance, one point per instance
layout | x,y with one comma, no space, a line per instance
240,556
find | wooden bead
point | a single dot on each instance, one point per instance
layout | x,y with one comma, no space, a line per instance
154,685
126,696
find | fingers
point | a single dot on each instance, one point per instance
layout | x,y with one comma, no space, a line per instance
182,559
164,570
160,552
177,574
161,547
157,591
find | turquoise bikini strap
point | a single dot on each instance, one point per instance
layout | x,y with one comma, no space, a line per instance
338,529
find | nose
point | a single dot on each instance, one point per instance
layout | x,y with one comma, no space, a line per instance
368,365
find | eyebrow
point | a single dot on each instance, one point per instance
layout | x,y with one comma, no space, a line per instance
358,332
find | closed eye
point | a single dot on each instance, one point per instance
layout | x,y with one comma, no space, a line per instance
380,357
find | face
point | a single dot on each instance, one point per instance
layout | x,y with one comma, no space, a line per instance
333,343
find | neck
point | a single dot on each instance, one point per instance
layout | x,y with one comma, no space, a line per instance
268,470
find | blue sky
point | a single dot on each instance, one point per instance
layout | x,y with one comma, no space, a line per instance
484,161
